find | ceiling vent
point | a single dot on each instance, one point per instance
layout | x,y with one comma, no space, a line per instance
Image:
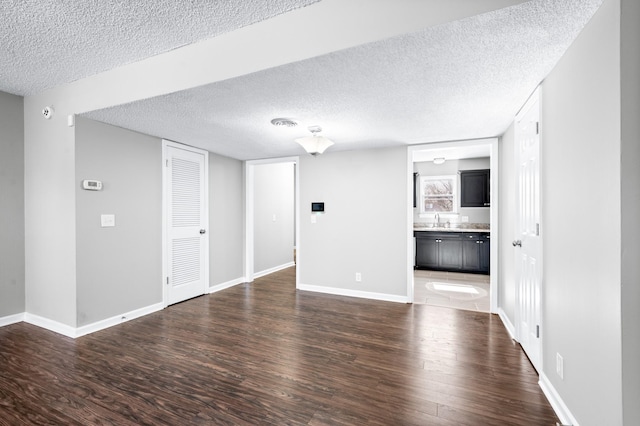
285,122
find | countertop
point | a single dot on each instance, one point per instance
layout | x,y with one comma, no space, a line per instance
452,228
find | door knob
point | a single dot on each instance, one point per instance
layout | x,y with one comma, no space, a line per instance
517,243
202,231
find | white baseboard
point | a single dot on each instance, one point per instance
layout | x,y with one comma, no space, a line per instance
11,319
51,325
272,270
354,293
507,323
72,332
558,405
226,285
118,319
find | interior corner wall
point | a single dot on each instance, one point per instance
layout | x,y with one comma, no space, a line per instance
273,216
49,210
119,269
507,214
580,166
364,227
630,177
226,219
12,289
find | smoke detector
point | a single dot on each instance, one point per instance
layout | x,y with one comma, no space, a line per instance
284,122
47,112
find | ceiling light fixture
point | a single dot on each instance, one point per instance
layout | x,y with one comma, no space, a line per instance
315,144
284,122
439,160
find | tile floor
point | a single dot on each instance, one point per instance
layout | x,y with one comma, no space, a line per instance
452,289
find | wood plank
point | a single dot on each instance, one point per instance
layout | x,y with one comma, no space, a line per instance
265,353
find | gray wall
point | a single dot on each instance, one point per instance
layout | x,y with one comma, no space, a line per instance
630,176
50,216
273,196
364,228
451,167
12,290
226,219
119,269
507,215
581,172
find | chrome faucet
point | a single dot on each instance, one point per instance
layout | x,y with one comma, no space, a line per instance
436,219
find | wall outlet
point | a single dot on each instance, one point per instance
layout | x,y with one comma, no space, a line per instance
560,365
358,277
464,219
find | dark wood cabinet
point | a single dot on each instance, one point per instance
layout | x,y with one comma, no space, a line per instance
476,251
475,188
453,251
438,250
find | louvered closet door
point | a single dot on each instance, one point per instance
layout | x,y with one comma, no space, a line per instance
186,214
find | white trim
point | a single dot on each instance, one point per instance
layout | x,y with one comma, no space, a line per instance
558,405
249,213
226,285
353,293
117,319
11,319
50,325
165,220
274,269
494,252
507,324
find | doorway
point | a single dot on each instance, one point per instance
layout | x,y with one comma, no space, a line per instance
442,286
272,216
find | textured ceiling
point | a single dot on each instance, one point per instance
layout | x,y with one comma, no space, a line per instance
45,43
461,80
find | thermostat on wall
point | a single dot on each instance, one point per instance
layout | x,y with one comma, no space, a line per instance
317,207
92,185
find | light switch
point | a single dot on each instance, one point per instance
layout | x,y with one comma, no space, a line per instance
313,218
107,220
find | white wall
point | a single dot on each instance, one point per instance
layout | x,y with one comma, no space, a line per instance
12,290
581,171
630,176
119,269
273,213
364,227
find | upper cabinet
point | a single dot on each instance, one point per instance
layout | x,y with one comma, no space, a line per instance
474,191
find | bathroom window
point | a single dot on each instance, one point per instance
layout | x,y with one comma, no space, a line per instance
438,194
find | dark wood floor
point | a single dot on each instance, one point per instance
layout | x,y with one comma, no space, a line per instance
264,353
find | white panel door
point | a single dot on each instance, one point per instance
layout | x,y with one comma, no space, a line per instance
186,221
528,241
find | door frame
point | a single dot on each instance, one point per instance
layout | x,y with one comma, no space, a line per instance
165,219
494,219
249,247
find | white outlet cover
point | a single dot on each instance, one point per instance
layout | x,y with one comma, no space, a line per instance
108,220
